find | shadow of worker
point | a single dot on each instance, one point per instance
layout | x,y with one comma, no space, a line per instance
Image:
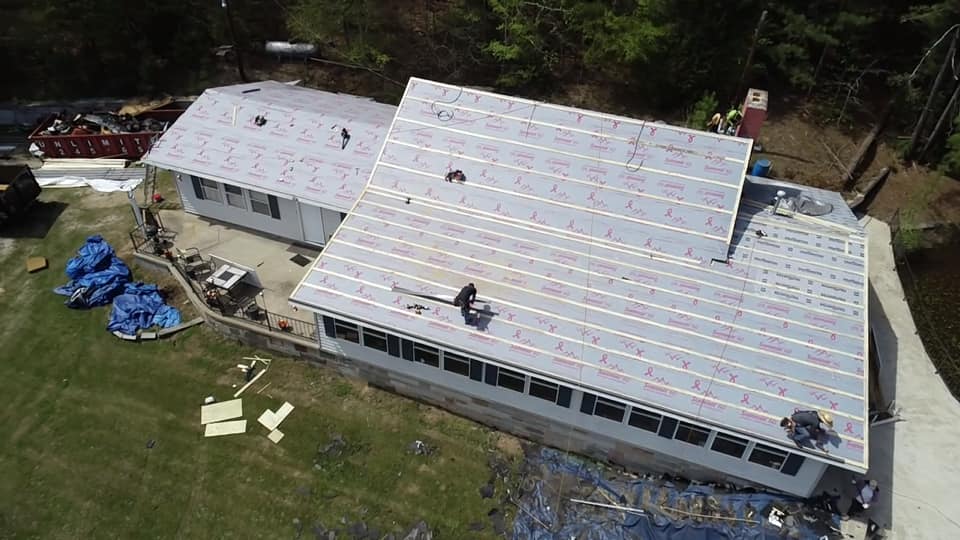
482,318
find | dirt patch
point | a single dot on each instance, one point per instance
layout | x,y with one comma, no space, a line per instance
509,445
433,416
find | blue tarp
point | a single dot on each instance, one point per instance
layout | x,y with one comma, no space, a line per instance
566,519
139,307
96,275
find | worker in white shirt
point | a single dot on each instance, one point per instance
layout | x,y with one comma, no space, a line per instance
866,494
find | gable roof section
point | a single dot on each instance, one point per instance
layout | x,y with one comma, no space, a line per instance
571,289
297,153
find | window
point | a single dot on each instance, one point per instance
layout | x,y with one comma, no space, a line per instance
692,434
346,331
793,464
259,203
667,427
611,410
645,420
729,445
375,339
768,457
544,389
512,380
426,354
211,190
455,363
476,370
235,196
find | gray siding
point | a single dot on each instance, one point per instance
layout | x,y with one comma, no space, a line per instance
564,428
288,226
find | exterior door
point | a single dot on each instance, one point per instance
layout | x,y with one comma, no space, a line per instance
312,217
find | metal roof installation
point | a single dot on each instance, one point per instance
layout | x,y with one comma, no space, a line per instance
278,138
599,246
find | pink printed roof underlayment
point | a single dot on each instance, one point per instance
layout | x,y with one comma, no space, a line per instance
298,150
612,254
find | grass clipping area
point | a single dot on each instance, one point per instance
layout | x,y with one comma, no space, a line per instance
81,406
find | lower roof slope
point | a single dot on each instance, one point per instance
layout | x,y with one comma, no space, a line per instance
738,344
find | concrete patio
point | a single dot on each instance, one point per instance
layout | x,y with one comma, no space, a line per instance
266,259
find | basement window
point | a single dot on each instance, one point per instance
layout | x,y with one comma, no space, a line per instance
375,339
454,363
768,457
346,331
609,409
512,380
692,434
426,354
644,420
729,445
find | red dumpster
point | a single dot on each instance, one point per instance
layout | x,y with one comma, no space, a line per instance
98,145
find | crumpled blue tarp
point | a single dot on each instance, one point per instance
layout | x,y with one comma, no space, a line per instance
96,275
139,307
591,523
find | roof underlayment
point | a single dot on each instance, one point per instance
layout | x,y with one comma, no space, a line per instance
298,153
599,246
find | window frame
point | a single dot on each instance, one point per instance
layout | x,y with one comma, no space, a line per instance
552,386
425,349
227,193
207,184
349,326
729,439
612,404
372,332
639,411
768,450
514,376
461,361
692,428
254,201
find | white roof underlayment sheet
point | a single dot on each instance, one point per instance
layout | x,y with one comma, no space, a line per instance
299,151
596,269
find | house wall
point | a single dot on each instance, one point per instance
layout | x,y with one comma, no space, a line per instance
286,226
566,428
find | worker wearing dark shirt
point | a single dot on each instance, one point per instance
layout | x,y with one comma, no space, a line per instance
803,426
467,296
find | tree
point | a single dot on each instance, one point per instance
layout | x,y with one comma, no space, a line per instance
355,30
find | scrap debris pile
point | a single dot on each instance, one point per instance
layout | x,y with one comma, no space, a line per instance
563,498
103,123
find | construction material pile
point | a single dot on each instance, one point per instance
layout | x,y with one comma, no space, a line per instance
103,123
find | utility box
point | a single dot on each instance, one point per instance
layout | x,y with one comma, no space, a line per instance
754,114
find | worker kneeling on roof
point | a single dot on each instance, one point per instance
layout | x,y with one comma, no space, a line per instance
803,426
464,298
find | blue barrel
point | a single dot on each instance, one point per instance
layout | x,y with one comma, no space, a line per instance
762,168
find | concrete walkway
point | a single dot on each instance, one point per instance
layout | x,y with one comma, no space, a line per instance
917,460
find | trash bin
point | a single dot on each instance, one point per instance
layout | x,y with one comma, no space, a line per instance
762,168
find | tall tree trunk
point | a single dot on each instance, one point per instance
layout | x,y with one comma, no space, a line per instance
944,116
749,62
853,167
917,129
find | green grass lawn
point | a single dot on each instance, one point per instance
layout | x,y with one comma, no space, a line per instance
80,406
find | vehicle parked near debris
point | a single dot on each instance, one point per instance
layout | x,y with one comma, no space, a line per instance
18,191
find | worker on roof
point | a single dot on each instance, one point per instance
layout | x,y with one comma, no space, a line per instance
466,297
804,426
715,124
734,116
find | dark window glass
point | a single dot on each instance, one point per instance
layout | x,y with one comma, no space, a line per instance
375,339
793,464
667,427
490,375
587,403
642,419
563,399
426,354
476,370
768,457
513,380
609,409
406,347
393,345
456,364
544,389
729,445
347,331
329,325
692,434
